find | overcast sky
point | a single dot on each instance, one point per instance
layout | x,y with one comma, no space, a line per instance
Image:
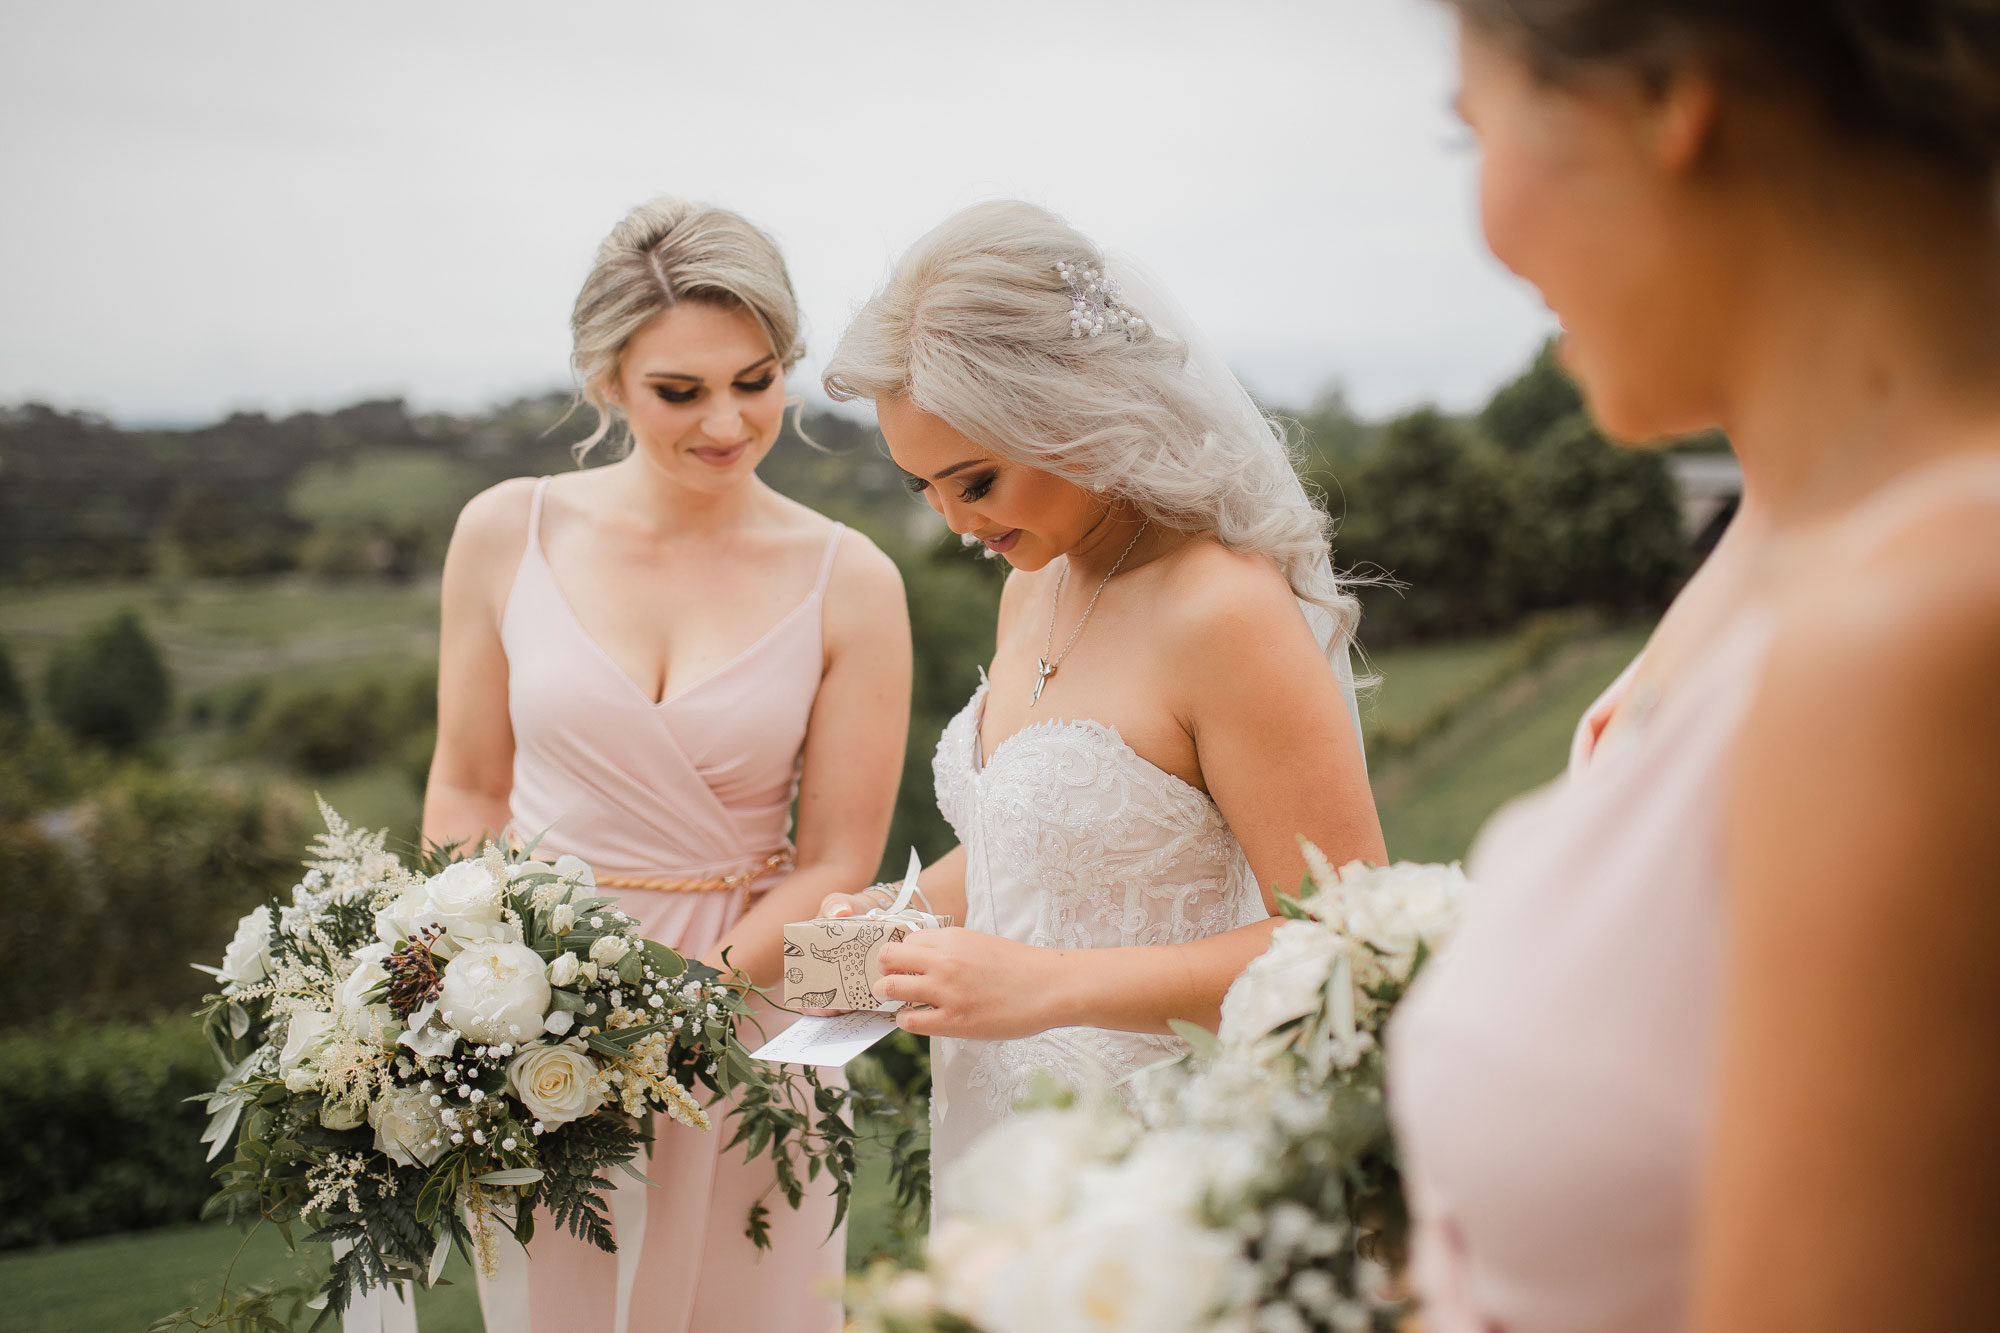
277,206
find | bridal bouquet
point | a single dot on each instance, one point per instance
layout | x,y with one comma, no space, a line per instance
1253,1188
416,1057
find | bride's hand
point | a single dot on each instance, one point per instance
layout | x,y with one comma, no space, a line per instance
975,985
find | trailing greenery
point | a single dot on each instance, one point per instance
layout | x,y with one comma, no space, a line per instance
96,1134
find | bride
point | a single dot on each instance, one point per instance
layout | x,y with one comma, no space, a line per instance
1169,707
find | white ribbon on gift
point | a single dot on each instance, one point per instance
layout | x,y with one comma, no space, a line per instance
900,908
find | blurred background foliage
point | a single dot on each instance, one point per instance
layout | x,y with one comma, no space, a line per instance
199,629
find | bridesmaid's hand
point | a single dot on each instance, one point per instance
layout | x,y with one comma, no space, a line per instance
975,985
846,904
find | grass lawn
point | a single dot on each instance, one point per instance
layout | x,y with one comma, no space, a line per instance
121,1283
217,631
1415,680
1434,802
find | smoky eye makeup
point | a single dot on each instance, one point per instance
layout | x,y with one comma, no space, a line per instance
755,386
976,488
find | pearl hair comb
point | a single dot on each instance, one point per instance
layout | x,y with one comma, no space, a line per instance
1093,303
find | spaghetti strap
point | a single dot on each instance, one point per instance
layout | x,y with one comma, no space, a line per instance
535,516
826,561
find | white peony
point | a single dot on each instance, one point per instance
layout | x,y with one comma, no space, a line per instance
1392,909
495,991
1023,1173
609,950
1285,982
557,1084
306,1035
408,1127
248,958
576,868
563,969
1133,1272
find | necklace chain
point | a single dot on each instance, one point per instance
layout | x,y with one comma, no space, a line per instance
1044,668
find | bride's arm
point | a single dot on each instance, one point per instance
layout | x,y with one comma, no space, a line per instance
853,757
1279,756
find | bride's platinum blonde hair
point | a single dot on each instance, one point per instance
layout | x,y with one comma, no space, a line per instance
978,326
664,253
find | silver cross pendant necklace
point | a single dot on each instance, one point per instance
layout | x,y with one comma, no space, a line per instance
1044,668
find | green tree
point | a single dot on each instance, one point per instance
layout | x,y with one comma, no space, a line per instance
1430,509
1525,410
1601,524
112,688
13,699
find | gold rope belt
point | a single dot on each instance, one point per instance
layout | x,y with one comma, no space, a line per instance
778,860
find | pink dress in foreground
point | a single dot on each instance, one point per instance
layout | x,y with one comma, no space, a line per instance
694,786
1553,1075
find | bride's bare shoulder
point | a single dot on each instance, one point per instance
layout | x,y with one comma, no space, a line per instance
1204,588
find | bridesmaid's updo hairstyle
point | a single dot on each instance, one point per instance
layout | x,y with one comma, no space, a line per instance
662,254
1923,74
994,323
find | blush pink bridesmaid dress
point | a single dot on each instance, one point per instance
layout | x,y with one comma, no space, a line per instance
697,786
1553,1075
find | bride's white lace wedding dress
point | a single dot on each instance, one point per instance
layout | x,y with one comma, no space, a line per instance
1072,841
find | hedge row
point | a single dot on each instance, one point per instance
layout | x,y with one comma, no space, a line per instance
96,1136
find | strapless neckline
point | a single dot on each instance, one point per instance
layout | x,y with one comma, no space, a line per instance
1103,731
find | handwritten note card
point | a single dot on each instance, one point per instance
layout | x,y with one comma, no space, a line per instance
829,1041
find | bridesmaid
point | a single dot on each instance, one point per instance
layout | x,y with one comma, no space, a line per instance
1715,1048
650,660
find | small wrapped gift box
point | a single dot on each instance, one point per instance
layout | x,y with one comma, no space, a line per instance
831,961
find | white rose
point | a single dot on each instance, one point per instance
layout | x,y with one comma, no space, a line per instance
407,1127
306,1035
1285,982
495,991
467,901
401,919
562,919
609,950
248,958
563,969
559,1022
557,1084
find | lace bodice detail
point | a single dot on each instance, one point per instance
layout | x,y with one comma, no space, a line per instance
1073,841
